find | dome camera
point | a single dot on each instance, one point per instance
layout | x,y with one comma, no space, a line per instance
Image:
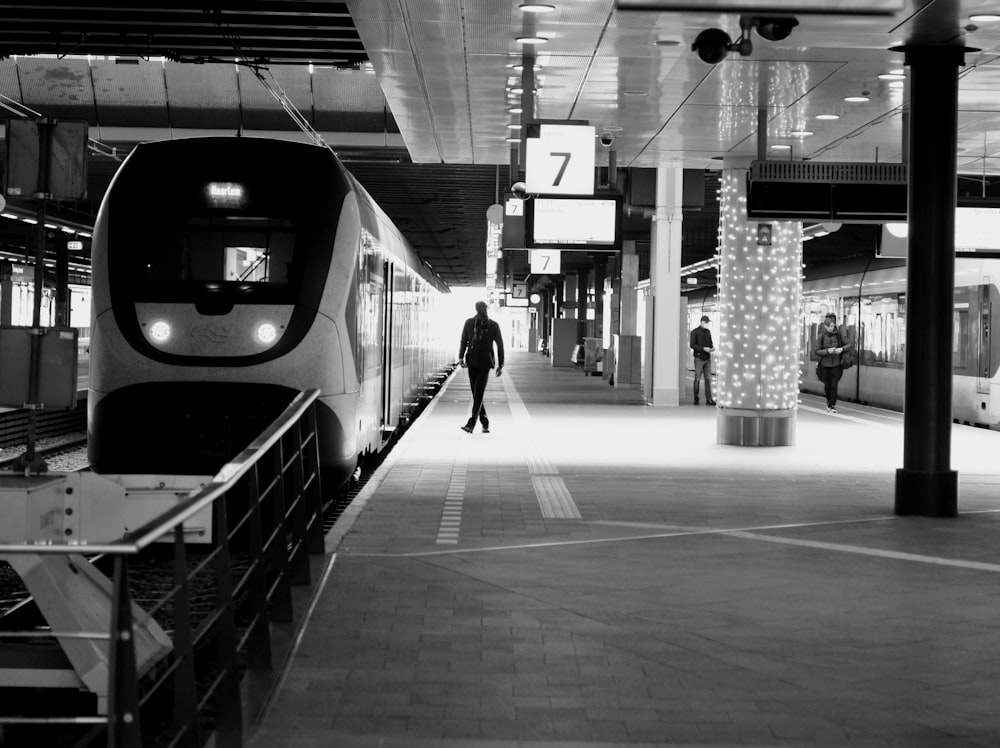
776,29
712,45
607,139
519,190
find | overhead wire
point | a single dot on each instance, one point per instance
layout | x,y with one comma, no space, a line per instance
271,86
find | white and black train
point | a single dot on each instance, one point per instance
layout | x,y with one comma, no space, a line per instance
231,273
870,299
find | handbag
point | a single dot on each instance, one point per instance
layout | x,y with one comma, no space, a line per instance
847,359
819,372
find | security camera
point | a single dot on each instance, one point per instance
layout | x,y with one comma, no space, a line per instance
712,45
607,139
776,28
519,190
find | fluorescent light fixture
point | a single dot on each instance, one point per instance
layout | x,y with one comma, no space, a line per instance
536,8
827,116
984,17
515,110
531,40
857,99
801,133
893,76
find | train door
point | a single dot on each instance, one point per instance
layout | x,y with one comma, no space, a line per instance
385,408
985,364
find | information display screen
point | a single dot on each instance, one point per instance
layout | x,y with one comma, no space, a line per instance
977,229
581,223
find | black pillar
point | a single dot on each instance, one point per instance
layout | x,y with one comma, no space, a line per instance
62,283
926,484
582,287
600,268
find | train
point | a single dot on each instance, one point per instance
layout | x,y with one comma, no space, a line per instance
230,273
869,298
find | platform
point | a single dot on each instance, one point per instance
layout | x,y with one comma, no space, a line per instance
596,572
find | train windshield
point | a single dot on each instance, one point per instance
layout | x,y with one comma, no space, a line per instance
249,251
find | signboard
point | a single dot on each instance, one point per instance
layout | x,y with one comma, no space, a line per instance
519,290
61,145
587,224
545,261
560,161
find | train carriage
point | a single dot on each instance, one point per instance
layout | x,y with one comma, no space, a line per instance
870,299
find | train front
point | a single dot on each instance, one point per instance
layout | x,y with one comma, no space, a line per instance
212,262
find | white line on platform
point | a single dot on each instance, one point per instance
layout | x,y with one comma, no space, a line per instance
554,498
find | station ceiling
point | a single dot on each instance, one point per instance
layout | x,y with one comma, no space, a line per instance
413,94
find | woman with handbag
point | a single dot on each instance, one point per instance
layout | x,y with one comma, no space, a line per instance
829,345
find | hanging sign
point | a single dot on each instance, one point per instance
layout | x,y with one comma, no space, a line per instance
560,161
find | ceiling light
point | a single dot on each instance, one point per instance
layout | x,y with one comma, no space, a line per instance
896,84
513,126
535,8
781,147
513,140
827,116
515,110
531,40
801,133
536,67
857,99
984,17
893,76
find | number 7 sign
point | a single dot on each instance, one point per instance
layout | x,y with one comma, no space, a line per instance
545,261
560,161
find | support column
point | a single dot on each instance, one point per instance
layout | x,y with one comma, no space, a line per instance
665,277
569,297
630,279
756,342
926,484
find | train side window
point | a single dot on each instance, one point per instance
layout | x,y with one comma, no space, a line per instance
960,337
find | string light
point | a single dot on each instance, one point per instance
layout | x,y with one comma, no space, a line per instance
759,297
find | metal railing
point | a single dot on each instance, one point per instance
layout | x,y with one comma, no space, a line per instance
267,509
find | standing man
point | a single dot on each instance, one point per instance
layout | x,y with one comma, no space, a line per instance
476,351
701,343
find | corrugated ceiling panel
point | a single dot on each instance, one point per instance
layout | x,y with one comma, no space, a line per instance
9,86
209,86
46,82
140,84
347,90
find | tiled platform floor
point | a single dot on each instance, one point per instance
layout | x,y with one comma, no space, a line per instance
596,572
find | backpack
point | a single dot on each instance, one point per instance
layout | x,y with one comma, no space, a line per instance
847,357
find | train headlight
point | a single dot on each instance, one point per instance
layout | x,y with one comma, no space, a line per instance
266,333
159,332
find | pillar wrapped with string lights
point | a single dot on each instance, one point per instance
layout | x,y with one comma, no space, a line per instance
757,353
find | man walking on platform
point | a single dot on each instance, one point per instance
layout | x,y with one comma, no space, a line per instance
701,342
476,351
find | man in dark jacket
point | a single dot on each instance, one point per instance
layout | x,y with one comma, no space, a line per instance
476,351
701,343
830,343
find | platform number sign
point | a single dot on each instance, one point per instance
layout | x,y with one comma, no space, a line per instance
519,290
545,261
560,161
